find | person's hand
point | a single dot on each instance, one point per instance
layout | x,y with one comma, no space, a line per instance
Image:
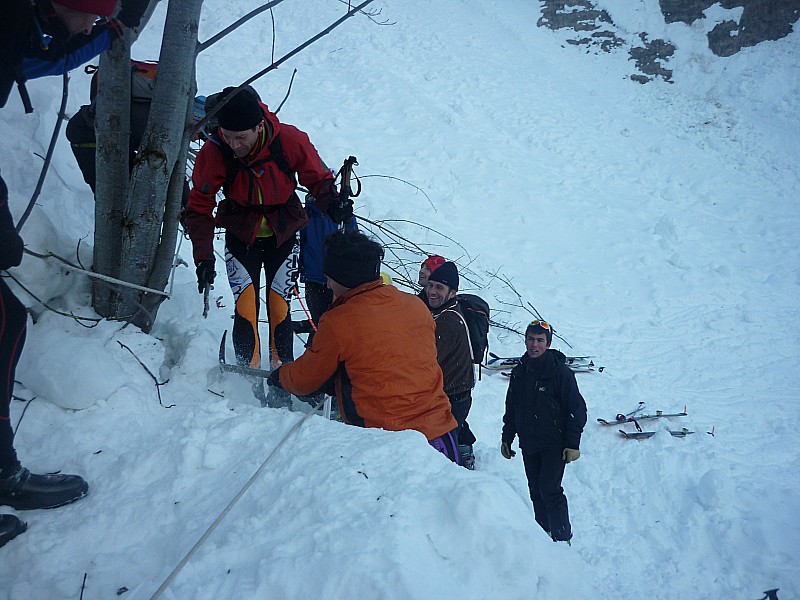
506,451
340,211
274,379
131,12
570,454
205,274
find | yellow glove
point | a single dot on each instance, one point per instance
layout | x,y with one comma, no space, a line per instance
506,451
570,454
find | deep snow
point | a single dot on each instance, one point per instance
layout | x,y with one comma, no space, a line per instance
655,226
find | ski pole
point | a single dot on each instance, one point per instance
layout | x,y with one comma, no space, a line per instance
303,306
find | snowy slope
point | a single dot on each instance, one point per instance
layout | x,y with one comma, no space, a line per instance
655,226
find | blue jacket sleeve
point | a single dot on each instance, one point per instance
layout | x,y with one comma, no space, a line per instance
77,52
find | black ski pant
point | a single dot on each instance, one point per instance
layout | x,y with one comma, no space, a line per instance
13,320
545,470
460,405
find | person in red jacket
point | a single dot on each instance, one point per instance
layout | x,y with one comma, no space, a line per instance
379,346
256,161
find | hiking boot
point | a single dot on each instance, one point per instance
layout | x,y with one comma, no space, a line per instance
467,457
24,490
10,527
279,398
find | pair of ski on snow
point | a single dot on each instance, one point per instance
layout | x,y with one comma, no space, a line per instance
634,417
578,364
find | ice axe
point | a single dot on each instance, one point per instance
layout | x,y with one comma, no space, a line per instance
346,193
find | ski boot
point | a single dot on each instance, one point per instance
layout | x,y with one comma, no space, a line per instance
24,490
467,456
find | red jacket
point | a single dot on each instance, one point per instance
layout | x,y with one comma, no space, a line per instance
380,345
258,181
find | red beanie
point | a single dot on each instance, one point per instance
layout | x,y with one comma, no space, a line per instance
434,261
102,8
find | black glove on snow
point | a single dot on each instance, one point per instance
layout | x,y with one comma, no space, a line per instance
205,274
274,379
340,211
131,12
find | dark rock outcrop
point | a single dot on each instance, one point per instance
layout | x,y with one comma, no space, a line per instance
761,20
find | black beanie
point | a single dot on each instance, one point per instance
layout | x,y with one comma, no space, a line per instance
351,273
447,274
241,113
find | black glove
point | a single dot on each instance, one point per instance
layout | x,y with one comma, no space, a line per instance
131,12
340,211
506,451
274,379
205,274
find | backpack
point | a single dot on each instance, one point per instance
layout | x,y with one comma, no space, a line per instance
476,318
143,80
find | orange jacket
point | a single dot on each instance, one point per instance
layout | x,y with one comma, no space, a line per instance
380,345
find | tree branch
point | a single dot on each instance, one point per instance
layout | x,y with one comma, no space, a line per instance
53,139
280,61
235,25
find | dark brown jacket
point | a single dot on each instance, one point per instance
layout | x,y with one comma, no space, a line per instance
453,349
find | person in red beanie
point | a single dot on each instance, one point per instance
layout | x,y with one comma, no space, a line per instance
39,38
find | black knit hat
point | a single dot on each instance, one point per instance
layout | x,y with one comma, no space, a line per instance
447,274
351,258
241,113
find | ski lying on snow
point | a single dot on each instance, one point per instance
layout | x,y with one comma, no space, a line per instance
632,419
637,435
683,432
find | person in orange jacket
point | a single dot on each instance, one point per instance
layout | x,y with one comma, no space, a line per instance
379,345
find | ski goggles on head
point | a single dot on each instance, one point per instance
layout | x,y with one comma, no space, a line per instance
540,323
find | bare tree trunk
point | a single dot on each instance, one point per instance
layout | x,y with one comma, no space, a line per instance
161,159
112,127
169,233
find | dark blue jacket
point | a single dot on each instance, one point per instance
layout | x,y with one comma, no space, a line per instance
543,404
312,242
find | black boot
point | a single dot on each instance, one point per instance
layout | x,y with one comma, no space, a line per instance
24,490
467,456
10,527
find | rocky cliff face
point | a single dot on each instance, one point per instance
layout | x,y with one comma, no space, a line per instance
761,20
593,28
